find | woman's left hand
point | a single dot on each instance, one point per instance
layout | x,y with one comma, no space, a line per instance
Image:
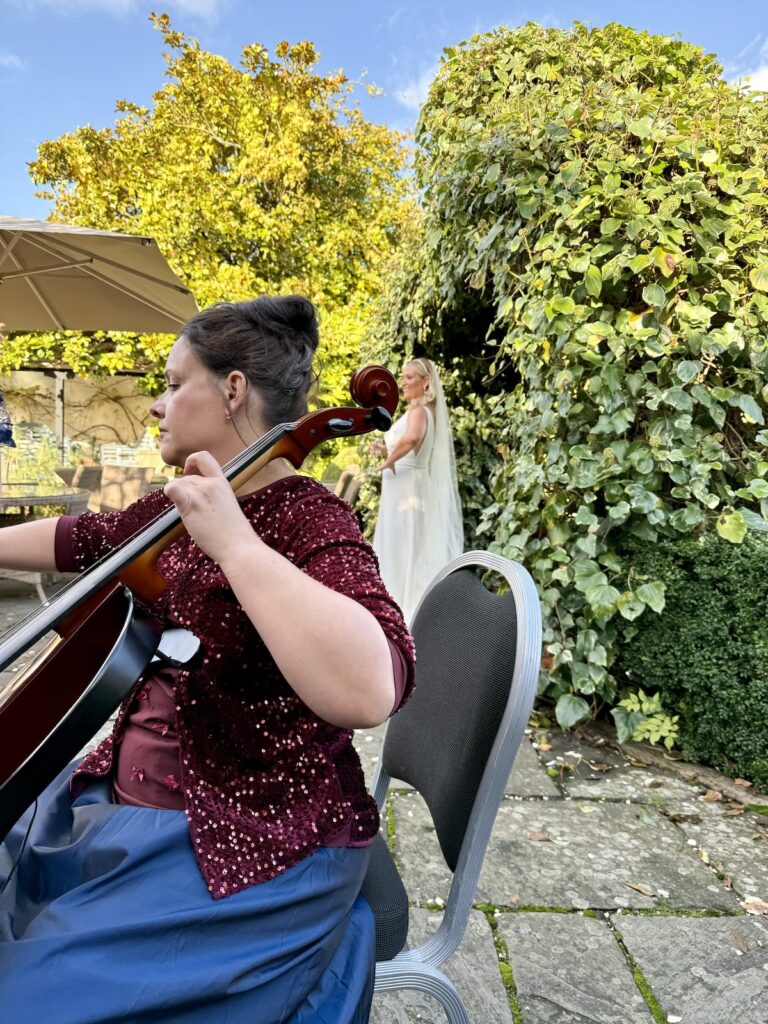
208,508
385,465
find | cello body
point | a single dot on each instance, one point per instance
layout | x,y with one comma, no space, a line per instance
84,675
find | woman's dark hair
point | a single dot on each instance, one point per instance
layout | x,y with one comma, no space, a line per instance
272,340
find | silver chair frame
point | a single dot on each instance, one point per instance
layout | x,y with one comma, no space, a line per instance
419,968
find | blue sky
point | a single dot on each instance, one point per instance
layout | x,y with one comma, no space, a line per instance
64,63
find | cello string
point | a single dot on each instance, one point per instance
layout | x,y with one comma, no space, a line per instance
241,461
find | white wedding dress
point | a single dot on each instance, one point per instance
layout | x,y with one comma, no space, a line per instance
413,540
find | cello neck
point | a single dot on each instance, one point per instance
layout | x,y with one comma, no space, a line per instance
134,562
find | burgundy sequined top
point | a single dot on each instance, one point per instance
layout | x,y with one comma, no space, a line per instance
265,781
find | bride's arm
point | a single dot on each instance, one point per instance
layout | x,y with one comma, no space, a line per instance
415,429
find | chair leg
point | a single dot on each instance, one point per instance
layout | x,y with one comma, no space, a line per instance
422,978
39,588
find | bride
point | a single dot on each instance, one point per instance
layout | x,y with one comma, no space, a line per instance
419,529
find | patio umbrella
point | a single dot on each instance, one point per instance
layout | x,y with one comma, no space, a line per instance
58,277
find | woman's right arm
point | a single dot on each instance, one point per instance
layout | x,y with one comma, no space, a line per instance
29,546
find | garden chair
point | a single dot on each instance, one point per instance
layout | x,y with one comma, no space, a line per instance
66,473
121,486
478,657
87,477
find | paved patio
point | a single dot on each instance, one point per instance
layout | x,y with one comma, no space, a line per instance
611,893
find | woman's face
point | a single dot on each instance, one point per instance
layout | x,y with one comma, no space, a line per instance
192,411
412,383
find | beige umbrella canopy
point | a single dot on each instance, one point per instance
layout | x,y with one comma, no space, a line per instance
57,277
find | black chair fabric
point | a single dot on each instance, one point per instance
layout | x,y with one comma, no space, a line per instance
386,895
439,743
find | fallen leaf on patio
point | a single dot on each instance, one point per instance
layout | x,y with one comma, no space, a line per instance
753,905
644,889
712,796
561,842
758,808
694,819
733,811
586,809
538,837
545,746
598,766
760,835
742,782
739,941
727,881
646,817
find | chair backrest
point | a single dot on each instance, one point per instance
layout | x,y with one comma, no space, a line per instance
87,477
351,491
341,484
66,473
466,640
120,487
478,657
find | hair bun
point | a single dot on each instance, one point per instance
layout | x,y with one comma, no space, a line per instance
298,315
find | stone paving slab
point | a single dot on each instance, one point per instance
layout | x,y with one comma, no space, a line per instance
367,743
589,860
703,970
601,772
473,969
593,859
737,846
570,969
529,776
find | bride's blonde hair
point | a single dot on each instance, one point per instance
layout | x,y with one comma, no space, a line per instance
425,368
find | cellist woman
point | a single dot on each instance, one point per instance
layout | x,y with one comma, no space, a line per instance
203,863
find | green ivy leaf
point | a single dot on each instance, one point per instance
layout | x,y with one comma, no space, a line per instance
758,277
749,406
563,304
630,606
754,520
570,709
593,281
652,594
642,128
687,370
610,226
587,575
732,527
654,295
602,599
627,723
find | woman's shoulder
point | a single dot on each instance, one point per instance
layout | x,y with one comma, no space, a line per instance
298,516
294,498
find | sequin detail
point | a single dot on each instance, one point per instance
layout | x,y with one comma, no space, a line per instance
265,781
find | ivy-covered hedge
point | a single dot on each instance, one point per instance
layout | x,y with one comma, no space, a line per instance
707,653
592,266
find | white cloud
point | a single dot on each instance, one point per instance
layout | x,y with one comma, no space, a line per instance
757,79
414,92
11,61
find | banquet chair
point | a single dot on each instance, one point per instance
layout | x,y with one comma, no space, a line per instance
478,656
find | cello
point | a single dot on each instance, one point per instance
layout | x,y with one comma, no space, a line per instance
101,644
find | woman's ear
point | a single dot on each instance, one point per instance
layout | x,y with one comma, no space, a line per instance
236,389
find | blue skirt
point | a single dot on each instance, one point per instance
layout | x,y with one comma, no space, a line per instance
107,918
